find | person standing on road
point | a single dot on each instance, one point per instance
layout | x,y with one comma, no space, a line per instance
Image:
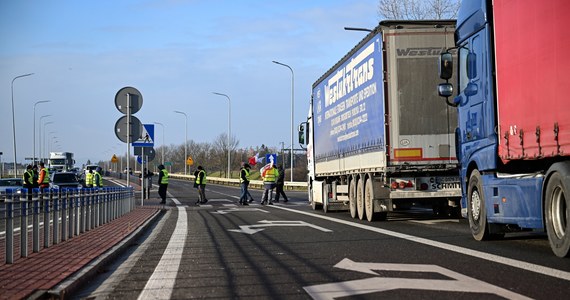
244,183
162,183
43,179
269,176
97,178
279,184
36,176
29,181
89,179
201,182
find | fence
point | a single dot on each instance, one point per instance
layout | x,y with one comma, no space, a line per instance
60,213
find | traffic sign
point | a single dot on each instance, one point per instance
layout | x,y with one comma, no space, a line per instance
121,129
114,159
271,158
135,100
167,163
189,161
146,138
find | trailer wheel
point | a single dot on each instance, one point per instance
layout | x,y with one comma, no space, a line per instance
352,197
360,198
557,213
476,207
368,202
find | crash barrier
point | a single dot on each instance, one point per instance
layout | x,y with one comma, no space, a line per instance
60,214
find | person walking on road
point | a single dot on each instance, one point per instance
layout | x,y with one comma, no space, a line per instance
279,184
201,182
97,178
269,176
43,179
29,181
162,183
244,183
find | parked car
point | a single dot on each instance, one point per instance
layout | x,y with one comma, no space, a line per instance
60,180
10,183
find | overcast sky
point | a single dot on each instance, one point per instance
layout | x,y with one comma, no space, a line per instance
176,53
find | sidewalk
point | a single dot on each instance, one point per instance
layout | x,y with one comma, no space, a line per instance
34,276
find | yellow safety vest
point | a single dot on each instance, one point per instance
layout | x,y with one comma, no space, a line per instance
89,178
30,180
271,175
164,179
98,183
46,176
246,175
198,177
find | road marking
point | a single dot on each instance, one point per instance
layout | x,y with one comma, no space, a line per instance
236,209
250,229
455,282
161,282
461,250
433,222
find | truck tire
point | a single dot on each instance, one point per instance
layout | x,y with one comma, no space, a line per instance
557,212
368,200
352,197
360,198
476,207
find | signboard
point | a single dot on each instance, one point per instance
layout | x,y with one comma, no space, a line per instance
167,163
134,100
271,158
348,105
146,138
114,159
189,161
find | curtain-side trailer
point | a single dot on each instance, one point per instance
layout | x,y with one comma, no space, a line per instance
514,117
378,137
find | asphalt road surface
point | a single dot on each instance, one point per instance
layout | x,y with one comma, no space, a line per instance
222,250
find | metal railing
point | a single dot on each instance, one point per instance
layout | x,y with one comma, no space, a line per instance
60,214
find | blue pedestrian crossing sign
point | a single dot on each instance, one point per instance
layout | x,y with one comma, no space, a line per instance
147,137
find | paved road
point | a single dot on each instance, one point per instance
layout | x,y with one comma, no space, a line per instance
287,251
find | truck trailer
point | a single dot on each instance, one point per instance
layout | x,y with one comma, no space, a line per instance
61,161
513,117
378,137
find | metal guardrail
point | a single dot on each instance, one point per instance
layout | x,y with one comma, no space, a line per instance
235,182
62,213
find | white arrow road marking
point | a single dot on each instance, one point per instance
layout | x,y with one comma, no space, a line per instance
231,210
250,229
456,283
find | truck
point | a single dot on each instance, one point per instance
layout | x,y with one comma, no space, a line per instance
513,117
61,161
378,137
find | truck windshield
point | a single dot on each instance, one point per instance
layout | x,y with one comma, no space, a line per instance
58,161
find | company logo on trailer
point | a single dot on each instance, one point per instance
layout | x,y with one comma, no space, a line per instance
422,51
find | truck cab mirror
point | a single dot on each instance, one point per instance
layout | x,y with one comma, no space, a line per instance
301,131
445,65
445,89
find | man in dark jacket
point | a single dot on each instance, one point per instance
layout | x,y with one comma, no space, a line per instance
279,184
162,183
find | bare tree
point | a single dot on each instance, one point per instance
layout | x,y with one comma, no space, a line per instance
418,9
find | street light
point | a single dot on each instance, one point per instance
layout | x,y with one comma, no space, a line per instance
40,137
186,144
14,120
44,141
163,147
43,101
229,127
292,107
358,29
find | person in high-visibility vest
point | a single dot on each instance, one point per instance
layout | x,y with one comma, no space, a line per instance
89,179
97,178
29,181
244,183
43,179
269,176
201,185
162,183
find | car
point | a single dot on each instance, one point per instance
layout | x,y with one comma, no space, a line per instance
11,183
60,180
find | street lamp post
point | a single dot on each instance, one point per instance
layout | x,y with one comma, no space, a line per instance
229,128
163,147
14,120
292,110
186,139
40,137
34,157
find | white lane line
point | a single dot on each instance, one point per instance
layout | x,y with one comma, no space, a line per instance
161,283
478,254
